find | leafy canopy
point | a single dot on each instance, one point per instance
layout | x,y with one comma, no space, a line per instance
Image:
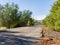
11,16
53,19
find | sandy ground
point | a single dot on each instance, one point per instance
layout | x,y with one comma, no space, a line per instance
20,36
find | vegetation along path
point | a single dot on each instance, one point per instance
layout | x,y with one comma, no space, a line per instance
20,36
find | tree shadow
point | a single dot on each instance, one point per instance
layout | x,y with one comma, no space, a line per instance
6,31
10,39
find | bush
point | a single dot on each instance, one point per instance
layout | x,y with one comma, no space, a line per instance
57,25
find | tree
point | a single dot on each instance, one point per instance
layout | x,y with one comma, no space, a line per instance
53,19
11,17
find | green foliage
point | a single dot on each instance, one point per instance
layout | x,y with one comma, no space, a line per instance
57,25
43,22
11,17
53,19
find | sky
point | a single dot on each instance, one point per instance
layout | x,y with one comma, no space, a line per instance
39,8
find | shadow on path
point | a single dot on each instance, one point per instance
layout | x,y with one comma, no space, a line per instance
8,39
6,31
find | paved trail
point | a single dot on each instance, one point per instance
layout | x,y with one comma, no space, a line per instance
20,36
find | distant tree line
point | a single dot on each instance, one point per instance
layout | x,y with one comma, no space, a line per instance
11,16
53,19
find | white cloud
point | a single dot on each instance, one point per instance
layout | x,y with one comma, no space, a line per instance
38,17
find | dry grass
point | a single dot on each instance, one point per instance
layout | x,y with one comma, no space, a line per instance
48,41
3,28
44,30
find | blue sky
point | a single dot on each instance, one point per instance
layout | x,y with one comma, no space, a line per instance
40,8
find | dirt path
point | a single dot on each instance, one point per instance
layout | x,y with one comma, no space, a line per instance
20,36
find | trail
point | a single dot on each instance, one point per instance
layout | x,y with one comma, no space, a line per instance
20,36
